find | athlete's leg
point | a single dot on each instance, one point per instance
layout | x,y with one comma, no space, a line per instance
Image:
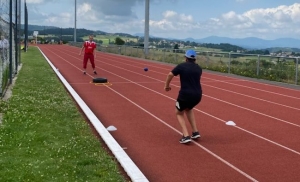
92,59
180,117
85,60
191,118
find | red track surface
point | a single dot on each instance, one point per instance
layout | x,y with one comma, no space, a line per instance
264,146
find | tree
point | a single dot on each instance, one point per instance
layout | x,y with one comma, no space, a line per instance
119,41
266,52
176,46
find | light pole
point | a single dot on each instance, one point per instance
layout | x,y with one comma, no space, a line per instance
75,21
146,33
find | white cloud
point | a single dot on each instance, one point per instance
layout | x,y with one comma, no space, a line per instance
173,21
282,20
86,13
62,18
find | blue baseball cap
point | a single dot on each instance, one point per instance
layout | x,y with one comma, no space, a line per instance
190,54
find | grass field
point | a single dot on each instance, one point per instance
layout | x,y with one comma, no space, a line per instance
43,136
204,49
107,38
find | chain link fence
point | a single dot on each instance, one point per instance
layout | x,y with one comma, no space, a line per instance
10,26
267,67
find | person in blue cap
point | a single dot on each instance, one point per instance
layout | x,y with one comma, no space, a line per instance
190,93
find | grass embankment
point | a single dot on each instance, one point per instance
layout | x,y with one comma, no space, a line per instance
44,137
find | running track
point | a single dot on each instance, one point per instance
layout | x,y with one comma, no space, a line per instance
263,146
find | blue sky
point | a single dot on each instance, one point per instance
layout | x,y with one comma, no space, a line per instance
267,19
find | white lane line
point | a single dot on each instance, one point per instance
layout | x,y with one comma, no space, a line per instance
259,83
255,89
275,103
266,115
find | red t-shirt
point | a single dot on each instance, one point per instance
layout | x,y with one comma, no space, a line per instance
89,46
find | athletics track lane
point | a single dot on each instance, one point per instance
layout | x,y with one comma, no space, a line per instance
237,147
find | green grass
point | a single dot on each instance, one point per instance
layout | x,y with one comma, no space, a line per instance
43,136
204,49
111,38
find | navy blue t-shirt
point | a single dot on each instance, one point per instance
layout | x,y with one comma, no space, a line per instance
190,75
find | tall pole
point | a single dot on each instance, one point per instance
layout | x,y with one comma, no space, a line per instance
16,36
25,26
75,21
10,40
146,33
20,32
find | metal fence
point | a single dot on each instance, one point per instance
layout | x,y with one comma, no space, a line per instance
10,26
267,67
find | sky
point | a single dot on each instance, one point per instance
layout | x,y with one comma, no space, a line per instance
266,19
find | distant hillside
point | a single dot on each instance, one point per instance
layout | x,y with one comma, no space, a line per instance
38,27
252,42
68,31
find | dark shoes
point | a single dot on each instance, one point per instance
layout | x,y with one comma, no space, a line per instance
187,139
195,135
85,72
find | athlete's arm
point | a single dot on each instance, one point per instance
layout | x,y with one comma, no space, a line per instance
81,49
94,52
168,81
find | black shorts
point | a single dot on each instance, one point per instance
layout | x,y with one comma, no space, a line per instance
182,105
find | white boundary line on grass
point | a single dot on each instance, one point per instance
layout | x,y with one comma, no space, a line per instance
131,169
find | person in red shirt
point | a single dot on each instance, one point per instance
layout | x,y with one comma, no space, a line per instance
89,53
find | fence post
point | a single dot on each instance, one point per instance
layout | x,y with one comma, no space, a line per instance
257,67
206,62
164,59
297,64
229,62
